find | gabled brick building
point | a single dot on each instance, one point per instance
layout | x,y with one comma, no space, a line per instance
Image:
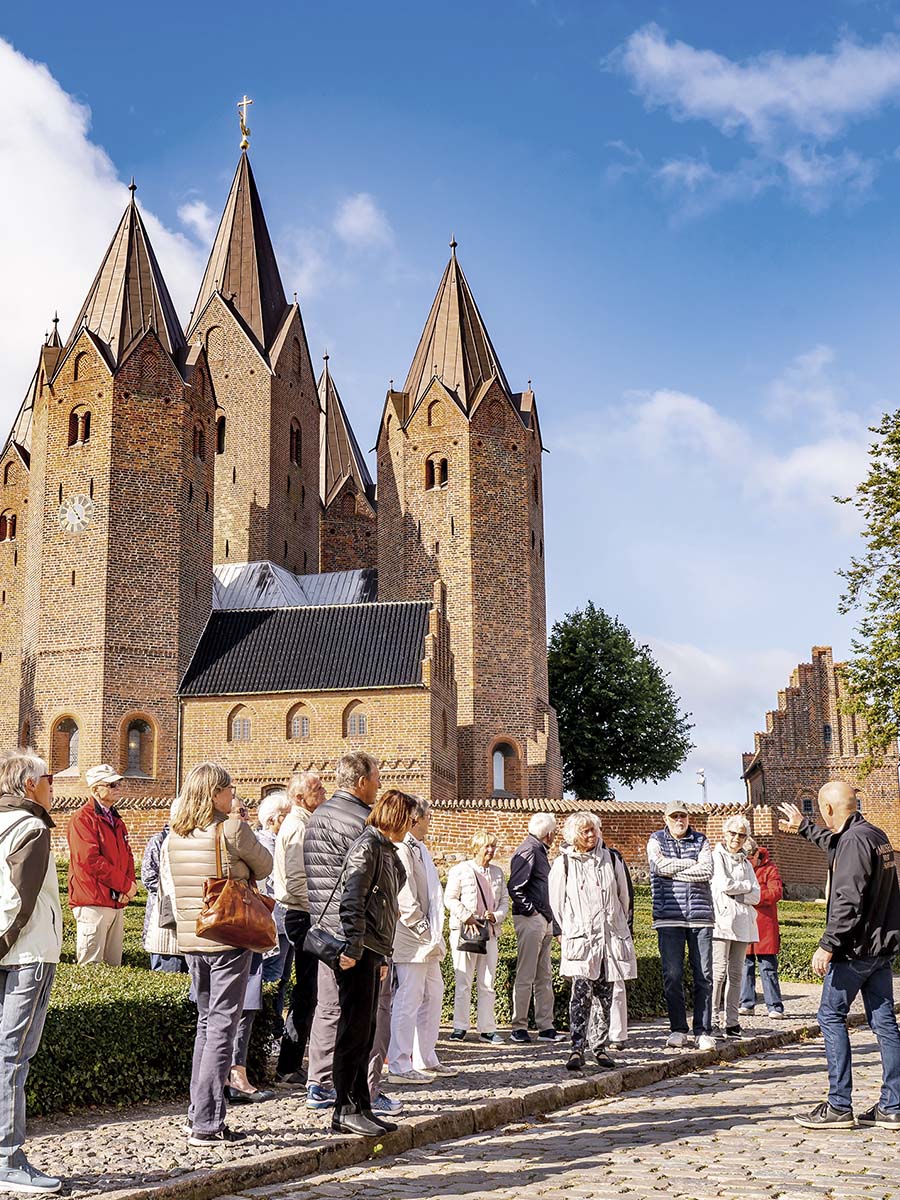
178,503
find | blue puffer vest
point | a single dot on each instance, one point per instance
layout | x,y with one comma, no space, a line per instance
677,899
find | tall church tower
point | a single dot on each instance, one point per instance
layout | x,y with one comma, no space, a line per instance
460,500
117,580
346,488
267,424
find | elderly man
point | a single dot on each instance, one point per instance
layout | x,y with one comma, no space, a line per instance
101,871
862,935
305,793
331,831
30,942
529,889
681,866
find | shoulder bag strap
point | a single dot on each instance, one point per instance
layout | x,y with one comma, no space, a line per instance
219,833
488,907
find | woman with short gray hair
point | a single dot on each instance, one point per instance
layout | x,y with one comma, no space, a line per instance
735,893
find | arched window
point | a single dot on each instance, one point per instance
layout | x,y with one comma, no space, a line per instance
215,348
79,364
220,434
7,471
240,725
73,427
79,426
503,760
295,357
25,740
435,413
139,748
429,474
199,443
7,526
296,448
64,747
445,472
827,736
356,721
298,723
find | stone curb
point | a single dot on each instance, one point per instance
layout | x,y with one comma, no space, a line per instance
248,1177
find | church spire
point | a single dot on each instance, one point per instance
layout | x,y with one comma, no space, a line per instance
341,457
242,264
455,345
129,294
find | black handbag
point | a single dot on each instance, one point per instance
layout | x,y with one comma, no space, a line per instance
318,941
475,935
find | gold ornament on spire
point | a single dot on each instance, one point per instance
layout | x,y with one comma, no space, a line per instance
245,128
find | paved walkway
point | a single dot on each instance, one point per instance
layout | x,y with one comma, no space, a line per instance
100,1152
723,1133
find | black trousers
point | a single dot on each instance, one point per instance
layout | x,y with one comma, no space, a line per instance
358,991
303,997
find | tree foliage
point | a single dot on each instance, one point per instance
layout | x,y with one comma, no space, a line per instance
618,716
872,586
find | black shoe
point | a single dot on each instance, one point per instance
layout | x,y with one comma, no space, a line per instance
547,1035
387,1126
291,1078
823,1116
575,1061
215,1139
520,1036
734,1031
355,1122
604,1061
458,1035
235,1095
877,1116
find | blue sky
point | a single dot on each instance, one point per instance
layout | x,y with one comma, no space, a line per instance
678,220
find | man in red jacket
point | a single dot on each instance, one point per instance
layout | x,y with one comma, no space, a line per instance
765,951
101,871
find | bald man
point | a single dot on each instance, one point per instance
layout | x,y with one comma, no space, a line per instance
862,934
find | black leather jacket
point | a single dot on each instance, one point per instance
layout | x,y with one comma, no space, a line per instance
368,909
332,830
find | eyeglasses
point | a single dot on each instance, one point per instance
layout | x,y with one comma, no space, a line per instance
49,779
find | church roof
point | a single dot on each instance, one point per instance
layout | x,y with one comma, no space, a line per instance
20,434
455,345
344,647
265,585
242,264
340,455
129,294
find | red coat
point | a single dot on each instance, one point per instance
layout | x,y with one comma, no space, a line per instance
771,889
101,865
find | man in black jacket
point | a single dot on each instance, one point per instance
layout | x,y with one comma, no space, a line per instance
529,889
862,934
332,829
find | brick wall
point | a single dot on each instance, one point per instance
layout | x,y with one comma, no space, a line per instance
348,536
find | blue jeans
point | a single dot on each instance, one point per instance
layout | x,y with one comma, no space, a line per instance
672,941
24,996
768,973
872,978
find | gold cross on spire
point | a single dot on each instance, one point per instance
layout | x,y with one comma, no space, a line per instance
245,128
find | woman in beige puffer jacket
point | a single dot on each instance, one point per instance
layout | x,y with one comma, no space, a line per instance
218,972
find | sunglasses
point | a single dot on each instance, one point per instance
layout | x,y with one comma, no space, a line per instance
49,778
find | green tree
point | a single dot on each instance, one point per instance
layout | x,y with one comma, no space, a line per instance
618,716
872,586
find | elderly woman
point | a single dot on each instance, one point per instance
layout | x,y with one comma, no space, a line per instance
735,892
591,897
218,972
276,965
765,949
368,910
476,892
419,948
159,938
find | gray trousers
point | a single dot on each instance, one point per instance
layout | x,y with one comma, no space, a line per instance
534,938
217,985
24,996
728,974
324,1030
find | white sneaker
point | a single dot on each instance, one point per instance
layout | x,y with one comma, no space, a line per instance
441,1070
706,1042
409,1077
677,1041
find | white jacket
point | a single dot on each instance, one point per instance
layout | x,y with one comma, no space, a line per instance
590,900
418,936
290,872
735,891
464,898
30,912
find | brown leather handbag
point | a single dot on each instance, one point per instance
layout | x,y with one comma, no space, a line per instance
234,911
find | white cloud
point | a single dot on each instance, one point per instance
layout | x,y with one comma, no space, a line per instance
786,108
200,220
360,222
62,196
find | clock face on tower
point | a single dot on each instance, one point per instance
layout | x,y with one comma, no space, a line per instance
76,513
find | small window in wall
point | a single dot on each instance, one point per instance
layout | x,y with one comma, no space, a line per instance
502,760
240,725
444,472
806,805
64,747
356,721
296,443
7,471
79,426
298,724
220,434
295,357
139,748
429,474
7,526
827,736
26,734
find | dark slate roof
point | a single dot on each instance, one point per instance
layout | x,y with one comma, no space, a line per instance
266,585
331,648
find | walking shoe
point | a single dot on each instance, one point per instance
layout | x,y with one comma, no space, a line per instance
706,1042
187,1126
493,1039
520,1036
408,1076
384,1104
823,1116
604,1061
441,1071
744,1011
216,1139
235,1095
320,1097
575,1061
877,1116
547,1035
20,1176
387,1126
291,1079
615,1045
778,1014
733,1031
354,1122
459,1035
677,1041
